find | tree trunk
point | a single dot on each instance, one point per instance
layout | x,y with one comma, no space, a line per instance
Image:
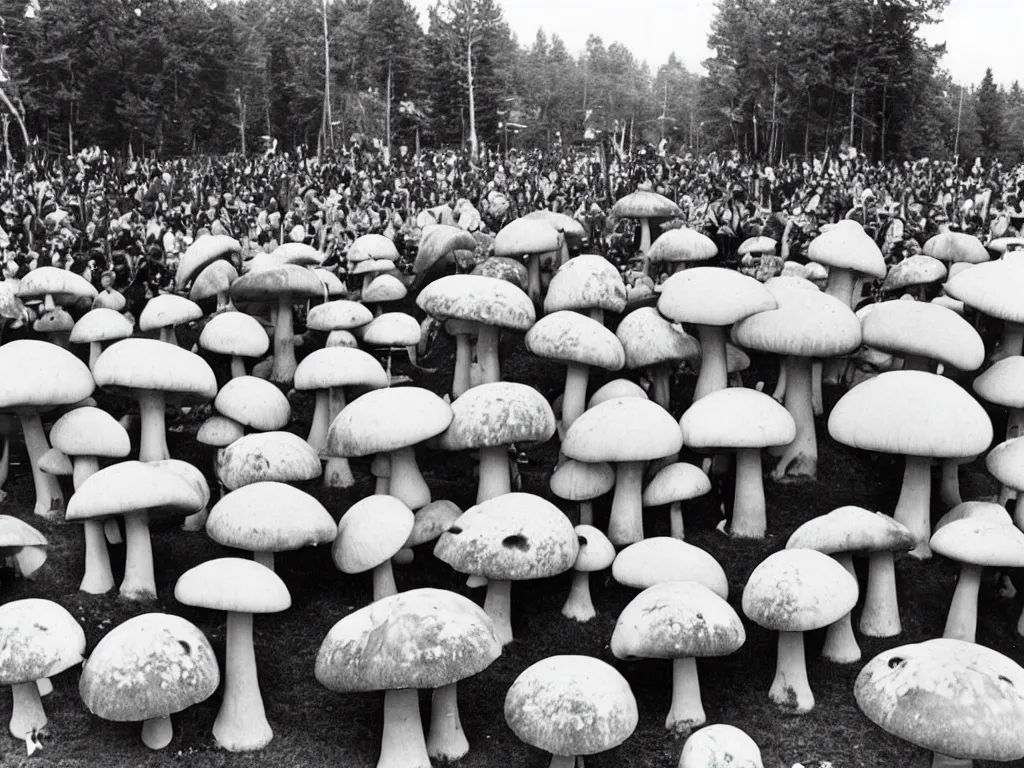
387,120
474,148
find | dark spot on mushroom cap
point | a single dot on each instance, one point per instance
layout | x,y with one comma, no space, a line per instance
1006,680
185,647
894,662
582,540
454,530
515,541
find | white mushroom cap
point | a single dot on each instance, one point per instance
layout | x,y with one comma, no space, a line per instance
219,431
371,532
372,246
614,389
573,338
339,367
720,746
432,520
647,338
643,204
100,325
235,333
147,364
47,375
387,420
979,542
713,296
988,511
338,315
925,329
676,482
991,288
254,403
391,329
682,245
623,429
480,299
914,270
215,279
526,236
498,413
270,517
233,584
662,558
62,284
586,282
1003,382
852,529
39,639
736,417
279,456
596,551
847,246
956,247
580,481
168,309
132,486
201,253
90,431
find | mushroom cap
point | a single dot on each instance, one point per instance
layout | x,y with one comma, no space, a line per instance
953,697
39,639
979,542
341,339
524,237
373,267
647,338
988,511
1006,463
586,282
758,245
47,375
676,482
663,558
15,533
64,286
1003,382
682,245
372,246
339,367
270,517
503,268
56,462
581,481
253,403
297,253
383,288
100,325
852,529
56,320
331,282
431,521
737,417
391,329
573,338
796,590
279,456
132,486
150,666
914,270
421,638
90,431
956,247
562,222
147,364
676,619
371,532
953,304
991,288
216,278
340,315
571,705
911,413
623,429
616,388
387,420
596,552
437,242
805,323
235,333
168,309
479,299
713,296
925,329
204,250
720,746
498,413
643,204
515,536
190,473
847,246
277,282
219,431
233,584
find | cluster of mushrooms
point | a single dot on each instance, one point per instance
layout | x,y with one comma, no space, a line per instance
947,695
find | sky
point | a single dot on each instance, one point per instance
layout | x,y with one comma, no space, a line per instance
654,28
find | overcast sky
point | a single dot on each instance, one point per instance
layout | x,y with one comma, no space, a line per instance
654,28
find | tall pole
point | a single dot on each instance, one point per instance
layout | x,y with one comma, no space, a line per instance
241,117
959,113
328,119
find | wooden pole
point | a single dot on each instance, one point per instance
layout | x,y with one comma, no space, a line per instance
959,114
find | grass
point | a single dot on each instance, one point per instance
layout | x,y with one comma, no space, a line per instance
313,726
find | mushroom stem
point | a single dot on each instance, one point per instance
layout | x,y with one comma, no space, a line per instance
714,369
790,688
574,400
1018,511
284,343
487,353
153,438
840,285
687,710
266,559
168,336
98,578
596,314
533,288
446,739
578,605
337,471
384,581
949,489
407,483
157,732
139,581
840,643
944,761
586,512
914,506
817,400
498,605
749,514
562,761
402,744
320,423
800,460
45,686
495,478
962,620
237,367
382,486
1012,341
675,517
27,713
463,361
645,240
626,523
223,302
660,390
241,724
95,349
49,499
780,385
880,616
5,464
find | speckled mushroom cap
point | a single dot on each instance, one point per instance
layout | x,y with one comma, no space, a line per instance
586,282
526,236
421,638
757,245
479,299
279,456
213,280
955,247
219,431
647,338
253,402
275,282
390,329
1003,382
150,666
503,268
720,746
676,482
662,558
132,486
805,323
643,204
571,337
911,413
796,590
614,389
581,481
953,697
372,246
431,521
499,413
235,333
979,542
233,584
437,242
90,431
623,429
63,285
737,417
514,537
676,619
596,551
1006,463
100,324
39,639
340,315
339,367
387,420
914,270
987,511
204,251
925,329
571,705
992,288
47,375
847,246
270,517
852,529
147,364
168,309
383,288
713,296
682,245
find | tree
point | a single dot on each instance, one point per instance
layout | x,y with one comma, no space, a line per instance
989,109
